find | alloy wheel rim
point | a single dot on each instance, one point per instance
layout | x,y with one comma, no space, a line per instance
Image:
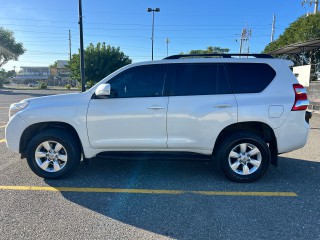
51,156
245,159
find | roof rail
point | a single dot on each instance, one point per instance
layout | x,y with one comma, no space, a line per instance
224,55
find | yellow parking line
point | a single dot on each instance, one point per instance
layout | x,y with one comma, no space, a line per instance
3,126
2,140
147,191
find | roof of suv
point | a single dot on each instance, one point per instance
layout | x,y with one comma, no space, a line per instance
219,58
218,55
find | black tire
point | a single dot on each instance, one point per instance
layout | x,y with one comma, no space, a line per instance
70,147
231,144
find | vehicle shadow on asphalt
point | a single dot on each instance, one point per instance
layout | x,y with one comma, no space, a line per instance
190,216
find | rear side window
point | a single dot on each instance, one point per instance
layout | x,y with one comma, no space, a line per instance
200,79
250,77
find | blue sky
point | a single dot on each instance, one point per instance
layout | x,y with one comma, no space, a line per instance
43,25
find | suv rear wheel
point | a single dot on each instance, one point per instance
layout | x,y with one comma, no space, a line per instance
53,153
243,157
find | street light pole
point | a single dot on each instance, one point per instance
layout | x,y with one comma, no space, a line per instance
152,38
83,88
167,41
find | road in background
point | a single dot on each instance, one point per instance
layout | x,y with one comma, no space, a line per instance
47,214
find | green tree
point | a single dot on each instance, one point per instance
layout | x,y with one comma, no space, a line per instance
303,29
99,61
209,50
9,48
4,76
54,65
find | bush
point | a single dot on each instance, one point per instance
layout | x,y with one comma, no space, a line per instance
43,85
89,84
68,86
2,81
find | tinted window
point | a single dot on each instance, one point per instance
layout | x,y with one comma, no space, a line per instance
250,77
141,81
200,79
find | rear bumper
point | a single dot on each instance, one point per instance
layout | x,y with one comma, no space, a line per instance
14,130
293,134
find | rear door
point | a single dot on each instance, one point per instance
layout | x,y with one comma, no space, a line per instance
201,104
262,94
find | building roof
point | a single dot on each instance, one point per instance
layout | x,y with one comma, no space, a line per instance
42,67
299,47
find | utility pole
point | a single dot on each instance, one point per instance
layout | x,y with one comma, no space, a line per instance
167,41
273,27
241,39
152,38
315,2
14,69
83,88
244,40
69,45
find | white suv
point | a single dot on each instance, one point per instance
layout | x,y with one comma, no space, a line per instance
240,112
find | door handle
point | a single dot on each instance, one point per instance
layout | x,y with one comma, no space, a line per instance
222,105
156,107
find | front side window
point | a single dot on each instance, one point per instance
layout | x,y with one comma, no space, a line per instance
200,79
140,81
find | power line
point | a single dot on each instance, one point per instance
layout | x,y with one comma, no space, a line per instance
37,20
132,24
130,29
132,13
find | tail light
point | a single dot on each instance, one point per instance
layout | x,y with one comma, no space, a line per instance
301,101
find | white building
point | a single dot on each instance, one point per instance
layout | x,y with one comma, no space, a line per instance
32,74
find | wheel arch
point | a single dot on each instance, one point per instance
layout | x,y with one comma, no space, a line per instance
30,132
259,128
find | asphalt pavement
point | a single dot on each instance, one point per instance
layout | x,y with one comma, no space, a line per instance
158,199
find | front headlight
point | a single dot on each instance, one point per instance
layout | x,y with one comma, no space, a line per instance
16,107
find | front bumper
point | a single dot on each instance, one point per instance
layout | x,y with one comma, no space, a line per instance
14,131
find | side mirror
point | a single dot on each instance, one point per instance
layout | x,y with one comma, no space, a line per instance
103,90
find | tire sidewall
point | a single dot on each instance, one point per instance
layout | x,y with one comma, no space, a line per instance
66,140
235,140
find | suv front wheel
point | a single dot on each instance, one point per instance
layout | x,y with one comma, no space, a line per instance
53,153
243,157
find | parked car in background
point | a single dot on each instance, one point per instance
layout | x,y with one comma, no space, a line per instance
32,85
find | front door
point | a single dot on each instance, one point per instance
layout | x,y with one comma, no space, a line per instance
133,117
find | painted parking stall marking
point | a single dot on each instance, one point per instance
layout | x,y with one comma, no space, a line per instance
2,140
147,191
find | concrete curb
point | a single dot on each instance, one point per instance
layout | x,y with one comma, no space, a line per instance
313,111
